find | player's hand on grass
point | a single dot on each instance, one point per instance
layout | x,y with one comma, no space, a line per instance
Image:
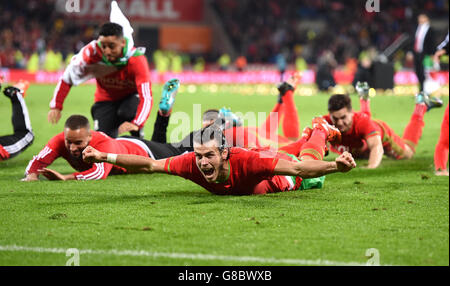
92,155
54,115
127,126
345,162
52,175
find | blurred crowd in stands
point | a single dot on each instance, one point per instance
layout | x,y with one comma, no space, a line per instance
33,35
263,29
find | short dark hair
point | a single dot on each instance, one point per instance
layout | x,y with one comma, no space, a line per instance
210,133
76,121
111,29
339,101
210,114
423,13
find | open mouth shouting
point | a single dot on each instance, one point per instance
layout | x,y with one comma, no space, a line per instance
208,173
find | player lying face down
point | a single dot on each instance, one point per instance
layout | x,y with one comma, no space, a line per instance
70,145
232,171
211,158
341,113
77,137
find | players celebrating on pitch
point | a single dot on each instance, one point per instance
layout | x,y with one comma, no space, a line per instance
236,171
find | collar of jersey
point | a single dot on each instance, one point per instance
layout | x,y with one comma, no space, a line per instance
123,61
228,175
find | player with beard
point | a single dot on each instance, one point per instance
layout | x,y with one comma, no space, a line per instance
224,170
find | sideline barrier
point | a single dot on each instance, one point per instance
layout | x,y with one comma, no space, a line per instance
219,77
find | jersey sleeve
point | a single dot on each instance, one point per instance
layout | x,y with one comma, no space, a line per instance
99,171
48,154
61,91
139,66
180,165
366,127
260,164
76,73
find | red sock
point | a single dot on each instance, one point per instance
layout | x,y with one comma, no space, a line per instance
275,115
315,147
294,148
365,106
291,122
3,153
441,151
413,130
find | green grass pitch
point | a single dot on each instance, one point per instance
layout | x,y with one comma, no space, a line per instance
401,209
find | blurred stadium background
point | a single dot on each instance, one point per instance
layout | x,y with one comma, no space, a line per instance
209,41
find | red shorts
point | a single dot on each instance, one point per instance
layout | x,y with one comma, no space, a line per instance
394,146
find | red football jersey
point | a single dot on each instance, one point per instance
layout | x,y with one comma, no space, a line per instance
133,78
362,128
56,148
251,172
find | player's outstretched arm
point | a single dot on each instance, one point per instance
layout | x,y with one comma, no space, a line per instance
133,163
315,168
376,151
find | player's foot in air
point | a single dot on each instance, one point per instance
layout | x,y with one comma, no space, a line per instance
295,79
229,118
333,134
169,93
11,91
430,102
362,88
22,85
290,84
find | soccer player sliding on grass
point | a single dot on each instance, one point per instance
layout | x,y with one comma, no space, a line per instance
77,135
369,138
226,170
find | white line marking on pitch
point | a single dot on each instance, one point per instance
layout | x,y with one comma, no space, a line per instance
190,256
